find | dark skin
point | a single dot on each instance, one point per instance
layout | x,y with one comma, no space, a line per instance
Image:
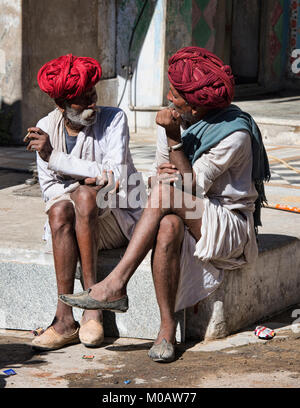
74,230
160,228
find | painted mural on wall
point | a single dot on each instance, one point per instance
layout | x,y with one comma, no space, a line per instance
203,31
278,38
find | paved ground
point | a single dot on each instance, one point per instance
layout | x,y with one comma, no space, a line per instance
241,360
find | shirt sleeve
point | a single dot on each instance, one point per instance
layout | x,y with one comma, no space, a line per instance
229,152
72,166
162,153
50,185
117,145
117,140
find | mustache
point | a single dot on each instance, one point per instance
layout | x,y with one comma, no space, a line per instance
171,105
87,113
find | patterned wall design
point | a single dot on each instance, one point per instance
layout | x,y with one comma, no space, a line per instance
203,31
275,36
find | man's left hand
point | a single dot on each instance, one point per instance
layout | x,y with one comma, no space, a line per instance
39,142
97,183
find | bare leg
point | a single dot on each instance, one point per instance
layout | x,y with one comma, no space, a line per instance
165,269
114,286
65,252
86,227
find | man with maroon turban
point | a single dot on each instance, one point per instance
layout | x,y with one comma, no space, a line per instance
80,149
204,206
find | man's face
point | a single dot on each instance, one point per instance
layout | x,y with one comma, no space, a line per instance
81,111
181,106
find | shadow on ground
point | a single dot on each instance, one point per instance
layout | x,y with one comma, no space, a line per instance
9,178
13,355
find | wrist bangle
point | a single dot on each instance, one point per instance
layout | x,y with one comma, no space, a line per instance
176,147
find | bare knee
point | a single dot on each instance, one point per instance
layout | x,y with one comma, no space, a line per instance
85,202
61,216
170,233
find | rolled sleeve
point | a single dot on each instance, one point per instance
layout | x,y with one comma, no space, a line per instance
72,166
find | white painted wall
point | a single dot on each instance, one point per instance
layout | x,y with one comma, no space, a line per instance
147,82
10,51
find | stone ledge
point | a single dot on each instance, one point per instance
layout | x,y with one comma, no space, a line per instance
28,295
250,294
245,296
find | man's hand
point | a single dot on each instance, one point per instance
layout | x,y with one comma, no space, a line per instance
106,180
167,173
40,142
168,168
170,120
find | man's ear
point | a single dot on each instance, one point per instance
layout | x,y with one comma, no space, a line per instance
60,104
195,110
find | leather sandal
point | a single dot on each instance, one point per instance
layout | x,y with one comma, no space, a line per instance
164,352
51,340
84,301
91,333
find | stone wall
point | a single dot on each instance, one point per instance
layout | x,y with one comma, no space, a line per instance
33,32
10,70
52,29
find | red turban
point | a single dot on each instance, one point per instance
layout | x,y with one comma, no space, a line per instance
201,77
68,76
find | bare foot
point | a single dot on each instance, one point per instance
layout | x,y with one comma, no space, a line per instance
167,332
92,315
108,290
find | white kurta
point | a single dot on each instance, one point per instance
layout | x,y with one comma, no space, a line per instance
110,148
228,241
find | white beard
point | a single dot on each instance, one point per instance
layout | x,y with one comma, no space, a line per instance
87,117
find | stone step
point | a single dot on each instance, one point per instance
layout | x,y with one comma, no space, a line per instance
28,295
250,294
247,295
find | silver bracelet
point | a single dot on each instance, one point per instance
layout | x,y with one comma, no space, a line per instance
176,147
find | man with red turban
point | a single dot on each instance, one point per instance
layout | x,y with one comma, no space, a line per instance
80,149
205,201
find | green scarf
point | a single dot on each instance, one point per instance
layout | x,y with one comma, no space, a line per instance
217,125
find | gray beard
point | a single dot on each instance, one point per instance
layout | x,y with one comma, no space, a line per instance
187,118
87,117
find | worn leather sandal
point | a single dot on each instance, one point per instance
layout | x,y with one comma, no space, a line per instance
91,333
84,301
51,340
164,352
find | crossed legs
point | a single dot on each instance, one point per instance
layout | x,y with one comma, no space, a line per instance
74,235
161,228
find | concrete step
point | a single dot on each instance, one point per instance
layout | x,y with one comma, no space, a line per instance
28,294
250,294
28,289
277,117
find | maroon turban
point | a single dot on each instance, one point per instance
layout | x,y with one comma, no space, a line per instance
201,77
68,76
